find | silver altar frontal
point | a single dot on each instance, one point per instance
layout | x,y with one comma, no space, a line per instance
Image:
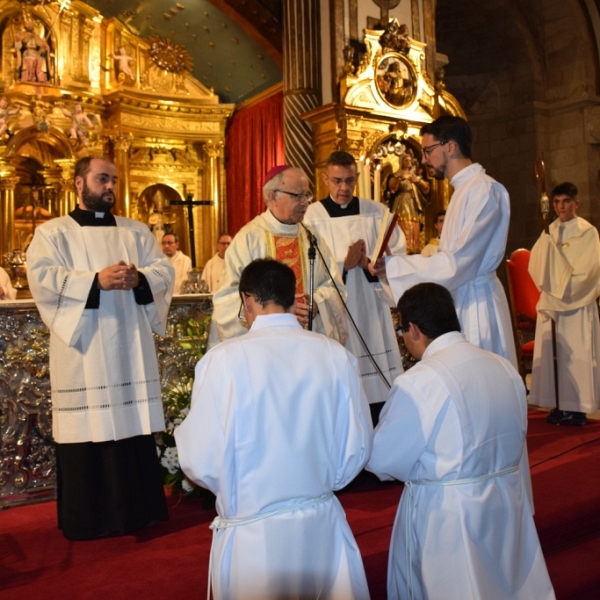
27,460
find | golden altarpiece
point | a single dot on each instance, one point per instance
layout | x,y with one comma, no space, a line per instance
76,84
383,103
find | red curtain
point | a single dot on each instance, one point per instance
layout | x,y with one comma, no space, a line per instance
253,145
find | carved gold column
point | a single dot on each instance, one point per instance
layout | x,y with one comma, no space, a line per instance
68,198
209,218
8,182
301,78
122,143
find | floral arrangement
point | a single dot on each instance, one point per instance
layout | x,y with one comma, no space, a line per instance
192,343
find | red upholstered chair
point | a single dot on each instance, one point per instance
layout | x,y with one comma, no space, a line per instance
523,300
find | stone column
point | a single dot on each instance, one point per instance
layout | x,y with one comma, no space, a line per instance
8,182
122,143
301,79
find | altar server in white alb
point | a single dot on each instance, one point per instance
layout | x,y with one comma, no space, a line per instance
179,261
472,243
350,226
278,421
453,429
277,233
565,266
214,269
102,285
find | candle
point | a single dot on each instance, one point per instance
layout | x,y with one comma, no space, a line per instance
367,188
377,184
361,177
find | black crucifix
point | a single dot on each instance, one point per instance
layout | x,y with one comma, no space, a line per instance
189,203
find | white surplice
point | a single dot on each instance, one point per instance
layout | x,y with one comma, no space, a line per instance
565,266
454,430
214,273
257,240
182,265
278,421
472,245
368,303
103,366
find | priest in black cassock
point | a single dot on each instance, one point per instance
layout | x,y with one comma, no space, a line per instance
102,286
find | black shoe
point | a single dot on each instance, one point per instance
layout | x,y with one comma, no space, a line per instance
558,416
578,419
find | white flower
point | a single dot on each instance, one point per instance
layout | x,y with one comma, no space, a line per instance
186,485
170,460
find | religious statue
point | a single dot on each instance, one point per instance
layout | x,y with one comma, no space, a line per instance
394,82
82,124
6,112
348,60
32,55
123,64
40,112
406,190
34,210
157,224
395,38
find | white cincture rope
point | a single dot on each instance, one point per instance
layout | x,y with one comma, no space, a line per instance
220,523
408,522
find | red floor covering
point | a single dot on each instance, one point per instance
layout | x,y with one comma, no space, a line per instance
170,560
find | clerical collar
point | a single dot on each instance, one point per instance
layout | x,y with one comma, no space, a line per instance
281,222
89,218
341,210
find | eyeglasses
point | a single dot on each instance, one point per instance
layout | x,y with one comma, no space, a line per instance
298,197
427,150
241,316
350,182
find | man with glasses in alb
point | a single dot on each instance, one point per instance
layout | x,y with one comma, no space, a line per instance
472,243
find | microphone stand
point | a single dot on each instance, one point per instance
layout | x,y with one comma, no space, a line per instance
314,246
312,254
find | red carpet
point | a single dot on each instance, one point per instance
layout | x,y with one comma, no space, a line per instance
170,560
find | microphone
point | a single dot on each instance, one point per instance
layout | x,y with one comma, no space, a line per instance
311,237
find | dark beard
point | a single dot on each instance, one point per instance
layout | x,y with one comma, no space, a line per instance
96,202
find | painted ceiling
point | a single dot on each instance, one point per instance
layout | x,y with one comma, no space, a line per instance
235,44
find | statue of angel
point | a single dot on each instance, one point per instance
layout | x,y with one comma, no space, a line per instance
6,112
123,63
82,124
